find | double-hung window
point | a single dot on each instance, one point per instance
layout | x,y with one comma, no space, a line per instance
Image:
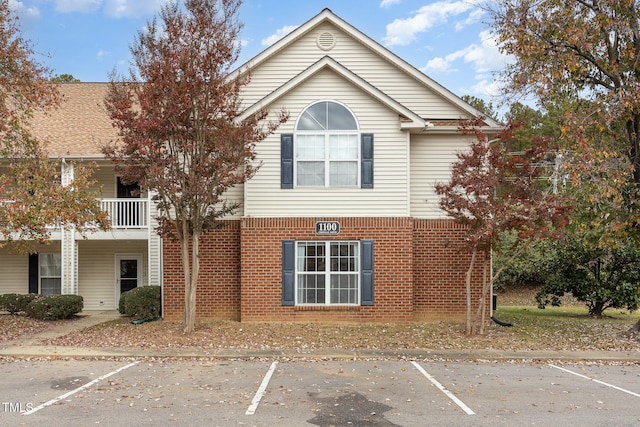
328,273
50,273
321,273
327,147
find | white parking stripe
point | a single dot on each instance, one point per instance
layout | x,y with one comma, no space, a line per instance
596,381
450,395
72,392
263,387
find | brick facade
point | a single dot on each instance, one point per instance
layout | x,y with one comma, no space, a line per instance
440,262
262,283
419,271
218,290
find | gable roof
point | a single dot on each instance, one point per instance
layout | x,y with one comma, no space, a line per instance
327,16
410,120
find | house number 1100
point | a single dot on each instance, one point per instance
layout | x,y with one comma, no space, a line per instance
327,227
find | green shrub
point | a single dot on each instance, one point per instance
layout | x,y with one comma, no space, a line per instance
54,307
16,303
122,302
529,267
601,277
142,303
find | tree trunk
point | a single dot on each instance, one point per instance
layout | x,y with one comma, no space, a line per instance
635,329
190,291
482,302
468,329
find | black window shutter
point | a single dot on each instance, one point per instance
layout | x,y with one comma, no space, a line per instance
286,160
366,167
288,272
366,273
33,273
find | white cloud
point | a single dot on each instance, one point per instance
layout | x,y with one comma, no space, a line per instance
389,3
486,88
485,57
438,66
28,13
102,54
474,17
402,32
278,35
127,8
113,8
67,6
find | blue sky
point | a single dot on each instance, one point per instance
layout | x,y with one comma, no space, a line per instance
448,40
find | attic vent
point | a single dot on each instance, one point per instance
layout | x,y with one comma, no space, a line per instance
326,40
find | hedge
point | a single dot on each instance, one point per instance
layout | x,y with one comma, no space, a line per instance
16,303
42,306
54,307
141,303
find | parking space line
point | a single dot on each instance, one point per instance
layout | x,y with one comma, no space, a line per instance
72,392
596,381
261,390
450,395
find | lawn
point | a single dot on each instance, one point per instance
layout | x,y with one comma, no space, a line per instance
565,328
533,329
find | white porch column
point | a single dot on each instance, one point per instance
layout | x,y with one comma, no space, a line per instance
154,246
69,257
69,246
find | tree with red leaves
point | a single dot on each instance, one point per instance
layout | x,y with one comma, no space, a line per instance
33,195
491,191
179,117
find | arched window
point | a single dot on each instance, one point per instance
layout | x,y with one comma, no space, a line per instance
327,147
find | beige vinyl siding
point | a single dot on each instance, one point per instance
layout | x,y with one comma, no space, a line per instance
97,270
389,197
15,268
15,273
235,195
105,178
431,159
360,60
154,255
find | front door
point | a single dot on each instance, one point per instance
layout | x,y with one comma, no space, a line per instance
128,269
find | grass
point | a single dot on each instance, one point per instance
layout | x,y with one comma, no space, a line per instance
568,328
557,328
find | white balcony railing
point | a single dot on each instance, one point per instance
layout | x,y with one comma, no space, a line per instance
126,213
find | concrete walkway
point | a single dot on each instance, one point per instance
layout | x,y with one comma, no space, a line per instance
32,346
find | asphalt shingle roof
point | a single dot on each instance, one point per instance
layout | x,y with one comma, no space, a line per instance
80,126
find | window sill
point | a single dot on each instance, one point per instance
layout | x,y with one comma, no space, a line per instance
327,308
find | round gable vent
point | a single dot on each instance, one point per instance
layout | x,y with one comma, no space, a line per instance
326,40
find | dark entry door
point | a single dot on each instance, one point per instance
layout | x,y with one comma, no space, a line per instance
128,273
128,210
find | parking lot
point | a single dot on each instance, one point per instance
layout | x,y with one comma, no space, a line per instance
316,392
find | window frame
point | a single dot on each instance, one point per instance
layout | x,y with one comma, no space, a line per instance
45,256
328,273
327,134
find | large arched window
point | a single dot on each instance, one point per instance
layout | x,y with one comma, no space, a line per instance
327,147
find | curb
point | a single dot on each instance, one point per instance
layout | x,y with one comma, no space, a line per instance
402,354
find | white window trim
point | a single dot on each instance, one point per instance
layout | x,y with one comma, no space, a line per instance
327,161
328,273
40,276
127,256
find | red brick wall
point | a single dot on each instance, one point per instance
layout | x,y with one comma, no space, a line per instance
218,292
440,264
262,269
419,271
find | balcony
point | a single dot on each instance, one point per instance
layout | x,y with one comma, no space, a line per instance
127,213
